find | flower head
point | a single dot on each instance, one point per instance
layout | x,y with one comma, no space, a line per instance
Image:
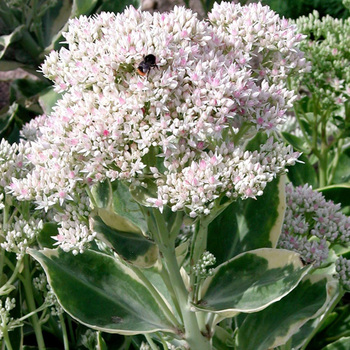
184,124
312,224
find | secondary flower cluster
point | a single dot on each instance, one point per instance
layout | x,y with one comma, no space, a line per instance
7,322
327,47
343,271
312,224
184,124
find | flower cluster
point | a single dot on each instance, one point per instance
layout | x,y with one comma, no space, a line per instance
343,271
7,322
327,47
12,159
20,234
312,224
41,284
201,267
183,125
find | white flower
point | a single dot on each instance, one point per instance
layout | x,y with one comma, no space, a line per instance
184,124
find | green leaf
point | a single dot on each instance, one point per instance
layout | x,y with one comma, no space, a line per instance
303,173
255,143
298,143
248,224
6,116
342,170
118,6
337,193
132,247
341,344
45,239
117,208
48,99
6,66
333,327
55,20
125,205
222,340
102,293
7,40
275,325
251,281
141,194
82,7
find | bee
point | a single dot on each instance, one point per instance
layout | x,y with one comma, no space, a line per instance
145,66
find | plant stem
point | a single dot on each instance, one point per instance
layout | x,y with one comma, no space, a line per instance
336,160
192,333
64,332
193,336
324,151
7,339
151,342
31,303
166,279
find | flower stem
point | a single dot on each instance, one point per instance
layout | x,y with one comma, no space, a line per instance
27,282
6,339
193,336
64,332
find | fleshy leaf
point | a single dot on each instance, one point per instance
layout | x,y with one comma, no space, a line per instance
251,281
302,173
142,194
249,224
337,193
45,239
132,247
102,293
117,208
275,325
7,40
48,99
341,344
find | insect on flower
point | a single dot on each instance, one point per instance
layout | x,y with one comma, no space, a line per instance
145,66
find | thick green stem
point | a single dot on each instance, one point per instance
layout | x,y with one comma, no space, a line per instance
335,162
64,332
151,342
192,333
31,303
324,151
6,339
193,336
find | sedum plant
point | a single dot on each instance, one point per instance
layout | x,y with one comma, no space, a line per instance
322,111
153,195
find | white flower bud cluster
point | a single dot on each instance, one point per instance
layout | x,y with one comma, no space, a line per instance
201,267
312,224
11,162
41,284
183,123
144,346
20,234
6,321
343,271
